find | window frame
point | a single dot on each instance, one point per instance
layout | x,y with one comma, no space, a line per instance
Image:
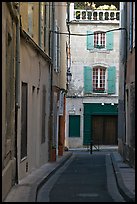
100,40
99,89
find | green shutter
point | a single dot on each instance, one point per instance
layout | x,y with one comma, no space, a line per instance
111,79
74,126
90,42
87,79
109,41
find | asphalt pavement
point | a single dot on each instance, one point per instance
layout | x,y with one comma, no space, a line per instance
28,188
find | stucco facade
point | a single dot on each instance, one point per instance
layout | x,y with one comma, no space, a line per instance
81,58
35,72
126,130
9,22
34,87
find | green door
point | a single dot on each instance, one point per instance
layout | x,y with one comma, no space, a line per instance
74,126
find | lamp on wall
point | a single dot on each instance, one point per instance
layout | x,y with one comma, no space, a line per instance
69,76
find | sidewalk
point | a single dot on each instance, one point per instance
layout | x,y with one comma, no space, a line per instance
125,177
27,190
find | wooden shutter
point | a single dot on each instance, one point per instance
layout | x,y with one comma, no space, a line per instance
90,41
111,79
87,79
30,18
109,41
74,126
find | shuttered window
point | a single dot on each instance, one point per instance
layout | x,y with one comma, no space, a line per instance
99,40
87,79
56,51
95,80
90,42
30,18
99,74
74,126
111,79
109,41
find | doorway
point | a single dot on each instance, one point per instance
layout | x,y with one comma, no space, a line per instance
104,130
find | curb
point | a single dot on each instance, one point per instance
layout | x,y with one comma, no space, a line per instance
39,184
128,196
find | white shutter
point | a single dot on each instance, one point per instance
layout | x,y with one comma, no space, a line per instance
56,57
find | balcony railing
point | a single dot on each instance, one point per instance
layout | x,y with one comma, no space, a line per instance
93,15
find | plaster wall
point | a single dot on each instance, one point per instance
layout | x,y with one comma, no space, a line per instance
34,71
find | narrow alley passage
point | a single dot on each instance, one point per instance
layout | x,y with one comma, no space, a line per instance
84,178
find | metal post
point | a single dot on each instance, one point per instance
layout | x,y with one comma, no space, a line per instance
91,144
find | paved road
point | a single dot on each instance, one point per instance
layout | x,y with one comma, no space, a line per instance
84,178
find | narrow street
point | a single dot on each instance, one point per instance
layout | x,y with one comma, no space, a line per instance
85,177
68,84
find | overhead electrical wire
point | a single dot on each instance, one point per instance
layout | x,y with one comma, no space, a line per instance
78,34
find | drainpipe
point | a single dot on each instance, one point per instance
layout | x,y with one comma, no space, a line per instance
123,65
17,89
125,58
52,39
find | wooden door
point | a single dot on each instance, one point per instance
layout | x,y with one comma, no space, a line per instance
104,130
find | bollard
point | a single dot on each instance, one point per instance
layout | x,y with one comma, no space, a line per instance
91,147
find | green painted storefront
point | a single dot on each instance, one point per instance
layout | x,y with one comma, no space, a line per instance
95,109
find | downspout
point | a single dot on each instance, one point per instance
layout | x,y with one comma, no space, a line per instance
51,80
125,59
17,89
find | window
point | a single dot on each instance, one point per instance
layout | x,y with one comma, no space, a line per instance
56,51
99,40
30,18
41,23
99,79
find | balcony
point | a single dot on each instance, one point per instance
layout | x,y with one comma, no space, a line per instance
79,15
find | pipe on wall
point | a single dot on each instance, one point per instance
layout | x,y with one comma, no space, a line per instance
17,89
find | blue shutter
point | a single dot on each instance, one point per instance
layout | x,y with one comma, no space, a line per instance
87,79
90,42
111,80
109,41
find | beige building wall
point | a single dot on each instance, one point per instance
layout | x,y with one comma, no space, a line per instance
9,14
34,70
24,10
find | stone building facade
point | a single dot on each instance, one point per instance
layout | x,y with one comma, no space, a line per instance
92,98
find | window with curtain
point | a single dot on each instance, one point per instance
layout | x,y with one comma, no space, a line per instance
99,39
99,79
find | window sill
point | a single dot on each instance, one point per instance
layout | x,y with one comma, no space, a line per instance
103,50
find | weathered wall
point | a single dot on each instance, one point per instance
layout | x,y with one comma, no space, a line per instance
81,57
8,98
34,70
